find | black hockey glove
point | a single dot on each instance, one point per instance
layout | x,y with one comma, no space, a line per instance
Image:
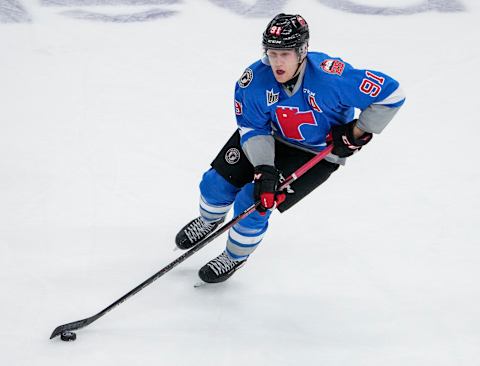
344,144
266,179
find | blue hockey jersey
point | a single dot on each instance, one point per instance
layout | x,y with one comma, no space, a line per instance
330,91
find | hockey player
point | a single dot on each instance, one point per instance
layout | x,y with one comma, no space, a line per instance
288,106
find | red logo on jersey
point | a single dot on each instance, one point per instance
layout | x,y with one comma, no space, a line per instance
333,67
313,103
238,108
290,119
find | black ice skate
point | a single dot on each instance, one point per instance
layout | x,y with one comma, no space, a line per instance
194,231
219,269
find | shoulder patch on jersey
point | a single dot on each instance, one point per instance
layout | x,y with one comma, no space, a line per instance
246,78
333,66
272,97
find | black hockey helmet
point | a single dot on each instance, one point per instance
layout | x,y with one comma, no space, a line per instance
286,31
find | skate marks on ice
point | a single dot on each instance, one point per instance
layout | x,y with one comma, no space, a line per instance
261,8
12,11
352,6
143,16
106,2
128,17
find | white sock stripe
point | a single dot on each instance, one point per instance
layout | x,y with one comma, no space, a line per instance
209,216
245,230
214,209
242,239
236,257
239,251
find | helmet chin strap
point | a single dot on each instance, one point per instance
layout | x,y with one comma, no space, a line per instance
295,74
292,82
300,61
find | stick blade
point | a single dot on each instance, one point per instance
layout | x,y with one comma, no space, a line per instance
70,326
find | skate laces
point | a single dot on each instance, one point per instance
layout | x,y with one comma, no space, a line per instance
198,229
222,264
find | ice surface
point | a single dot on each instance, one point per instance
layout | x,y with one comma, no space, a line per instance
106,129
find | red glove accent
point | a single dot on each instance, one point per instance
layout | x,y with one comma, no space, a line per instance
271,201
267,199
280,198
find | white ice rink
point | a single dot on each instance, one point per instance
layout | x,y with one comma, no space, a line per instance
110,113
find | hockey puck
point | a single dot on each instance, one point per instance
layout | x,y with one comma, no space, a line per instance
68,336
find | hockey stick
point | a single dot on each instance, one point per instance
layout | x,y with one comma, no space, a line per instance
293,177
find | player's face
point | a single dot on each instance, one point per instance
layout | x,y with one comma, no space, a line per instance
284,63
